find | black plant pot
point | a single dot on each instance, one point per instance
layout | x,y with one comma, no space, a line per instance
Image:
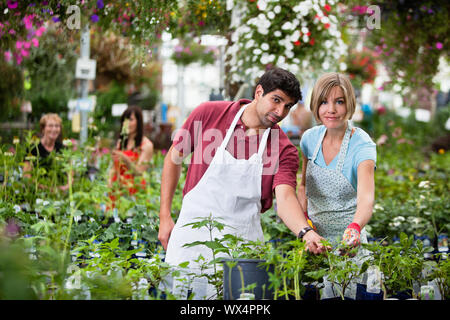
242,273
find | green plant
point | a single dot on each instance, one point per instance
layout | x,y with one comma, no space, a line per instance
401,264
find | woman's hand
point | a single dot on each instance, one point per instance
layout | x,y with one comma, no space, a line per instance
351,238
119,156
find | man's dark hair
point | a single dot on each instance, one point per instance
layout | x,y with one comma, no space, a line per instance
277,78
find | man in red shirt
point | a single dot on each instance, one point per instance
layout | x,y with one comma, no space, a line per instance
240,158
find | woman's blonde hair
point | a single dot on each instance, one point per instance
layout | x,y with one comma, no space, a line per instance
50,116
322,89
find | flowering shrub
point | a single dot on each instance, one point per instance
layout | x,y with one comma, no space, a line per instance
298,36
361,67
411,39
23,22
190,52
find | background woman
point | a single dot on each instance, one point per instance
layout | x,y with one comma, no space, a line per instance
337,188
132,153
49,144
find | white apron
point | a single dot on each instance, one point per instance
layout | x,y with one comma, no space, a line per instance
332,205
230,189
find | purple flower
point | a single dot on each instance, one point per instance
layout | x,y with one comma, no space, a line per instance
56,19
94,18
439,45
12,228
100,4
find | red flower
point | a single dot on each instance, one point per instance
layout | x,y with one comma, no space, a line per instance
297,43
327,7
311,42
326,25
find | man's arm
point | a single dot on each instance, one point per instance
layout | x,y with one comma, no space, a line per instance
169,180
290,211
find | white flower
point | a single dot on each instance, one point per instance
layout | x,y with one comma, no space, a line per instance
271,15
325,65
67,142
277,33
39,201
378,207
250,43
125,131
262,4
295,36
277,9
342,66
286,26
424,184
264,59
399,219
257,51
16,208
265,46
289,54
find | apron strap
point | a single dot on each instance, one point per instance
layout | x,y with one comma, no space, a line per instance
344,147
230,130
319,143
342,150
263,143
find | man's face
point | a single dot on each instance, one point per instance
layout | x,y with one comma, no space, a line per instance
272,107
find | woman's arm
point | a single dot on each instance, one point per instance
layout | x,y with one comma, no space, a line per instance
301,193
145,157
365,193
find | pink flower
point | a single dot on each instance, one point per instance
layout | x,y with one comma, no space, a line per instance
19,59
35,42
40,31
24,53
26,45
12,4
439,45
19,45
8,56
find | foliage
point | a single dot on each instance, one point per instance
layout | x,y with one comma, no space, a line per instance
11,87
50,70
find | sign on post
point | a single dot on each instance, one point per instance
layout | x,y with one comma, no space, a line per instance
85,69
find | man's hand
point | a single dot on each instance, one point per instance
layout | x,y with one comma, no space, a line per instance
165,229
314,242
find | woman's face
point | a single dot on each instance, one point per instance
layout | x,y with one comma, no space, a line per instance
52,130
333,110
132,124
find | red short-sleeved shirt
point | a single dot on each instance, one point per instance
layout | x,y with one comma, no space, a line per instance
204,131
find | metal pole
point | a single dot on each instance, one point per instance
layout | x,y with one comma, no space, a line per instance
180,94
85,53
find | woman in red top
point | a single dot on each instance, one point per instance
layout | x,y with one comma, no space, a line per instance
132,154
